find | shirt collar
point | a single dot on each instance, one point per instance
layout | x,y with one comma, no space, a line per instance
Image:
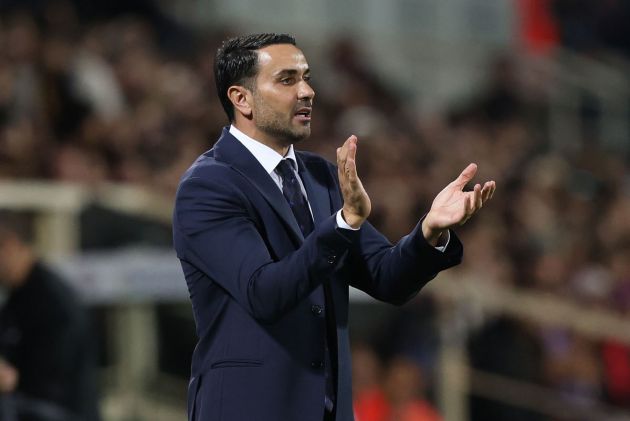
267,157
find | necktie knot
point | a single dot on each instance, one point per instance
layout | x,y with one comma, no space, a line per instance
285,168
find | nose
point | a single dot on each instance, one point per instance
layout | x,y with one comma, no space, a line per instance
305,92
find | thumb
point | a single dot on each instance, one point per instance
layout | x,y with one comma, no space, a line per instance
466,175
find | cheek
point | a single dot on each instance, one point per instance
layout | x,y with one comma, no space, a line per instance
277,98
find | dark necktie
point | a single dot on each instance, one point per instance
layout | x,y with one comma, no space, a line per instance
293,193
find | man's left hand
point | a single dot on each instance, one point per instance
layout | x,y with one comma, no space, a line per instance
454,206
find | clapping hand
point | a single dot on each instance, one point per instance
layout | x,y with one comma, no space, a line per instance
454,206
356,202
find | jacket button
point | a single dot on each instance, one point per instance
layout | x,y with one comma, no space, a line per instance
317,364
332,258
317,310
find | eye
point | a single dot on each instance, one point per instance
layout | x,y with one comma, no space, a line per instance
307,78
286,81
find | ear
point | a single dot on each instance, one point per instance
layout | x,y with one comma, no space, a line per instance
240,97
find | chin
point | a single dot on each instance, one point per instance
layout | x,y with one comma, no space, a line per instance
299,135
298,139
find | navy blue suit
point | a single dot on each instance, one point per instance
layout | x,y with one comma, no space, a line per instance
256,285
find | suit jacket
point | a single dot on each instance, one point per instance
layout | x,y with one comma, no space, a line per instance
255,285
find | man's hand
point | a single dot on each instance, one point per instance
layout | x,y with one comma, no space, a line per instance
356,202
453,206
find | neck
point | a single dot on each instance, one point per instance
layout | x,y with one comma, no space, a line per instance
259,136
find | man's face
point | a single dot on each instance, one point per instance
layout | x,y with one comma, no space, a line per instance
282,95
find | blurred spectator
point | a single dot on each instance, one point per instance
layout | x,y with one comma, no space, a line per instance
615,355
508,348
571,367
616,368
405,390
47,365
591,25
538,28
401,396
412,331
368,396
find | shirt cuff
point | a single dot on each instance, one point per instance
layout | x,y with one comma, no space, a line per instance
343,224
445,241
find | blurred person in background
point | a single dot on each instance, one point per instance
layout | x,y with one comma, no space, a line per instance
47,358
394,394
505,347
270,239
404,386
368,398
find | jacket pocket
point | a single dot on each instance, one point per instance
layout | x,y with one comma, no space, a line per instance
236,363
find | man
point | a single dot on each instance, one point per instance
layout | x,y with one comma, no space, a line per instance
47,364
270,239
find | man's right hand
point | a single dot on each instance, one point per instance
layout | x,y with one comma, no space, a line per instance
356,202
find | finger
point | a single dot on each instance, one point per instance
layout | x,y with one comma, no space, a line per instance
346,164
485,192
340,166
341,159
477,197
488,190
466,175
491,186
342,154
470,204
494,187
351,167
468,207
349,141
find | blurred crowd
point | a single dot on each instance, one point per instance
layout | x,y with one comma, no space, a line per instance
112,101
590,25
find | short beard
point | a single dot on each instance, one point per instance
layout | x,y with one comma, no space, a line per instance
271,123
286,135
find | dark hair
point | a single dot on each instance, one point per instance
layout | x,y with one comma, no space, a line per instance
236,63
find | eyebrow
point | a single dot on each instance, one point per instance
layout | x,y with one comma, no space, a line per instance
290,72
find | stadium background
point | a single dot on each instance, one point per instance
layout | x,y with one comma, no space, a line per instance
103,104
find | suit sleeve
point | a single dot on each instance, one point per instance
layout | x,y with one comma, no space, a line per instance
395,273
215,231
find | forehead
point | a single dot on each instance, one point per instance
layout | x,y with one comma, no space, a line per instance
278,57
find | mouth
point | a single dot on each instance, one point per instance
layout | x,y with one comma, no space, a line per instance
304,114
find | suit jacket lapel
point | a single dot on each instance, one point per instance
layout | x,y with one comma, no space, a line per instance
229,150
317,192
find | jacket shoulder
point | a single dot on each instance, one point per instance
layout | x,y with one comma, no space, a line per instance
206,167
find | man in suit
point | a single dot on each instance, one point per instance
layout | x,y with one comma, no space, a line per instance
270,239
